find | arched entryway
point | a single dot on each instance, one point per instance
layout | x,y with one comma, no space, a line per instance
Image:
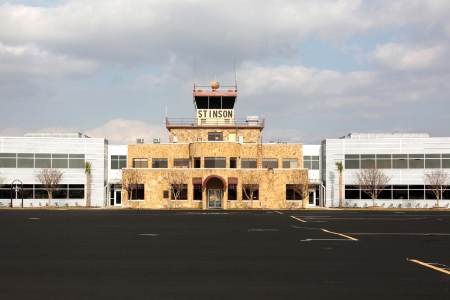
215,187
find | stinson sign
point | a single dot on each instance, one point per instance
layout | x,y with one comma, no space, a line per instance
215,113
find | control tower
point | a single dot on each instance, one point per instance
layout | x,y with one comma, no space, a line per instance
215,118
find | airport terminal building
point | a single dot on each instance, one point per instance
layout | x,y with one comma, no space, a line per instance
215,160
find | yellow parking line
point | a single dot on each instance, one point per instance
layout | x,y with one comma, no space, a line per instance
298,219
346,236
278,212
429,266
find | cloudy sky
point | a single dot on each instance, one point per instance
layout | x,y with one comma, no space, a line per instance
314,69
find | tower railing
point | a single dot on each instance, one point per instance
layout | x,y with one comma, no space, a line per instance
192,122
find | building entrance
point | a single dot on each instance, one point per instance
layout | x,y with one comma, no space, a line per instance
115,196
313,198
214,198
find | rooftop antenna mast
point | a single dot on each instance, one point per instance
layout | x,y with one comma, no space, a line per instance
195,75
235,75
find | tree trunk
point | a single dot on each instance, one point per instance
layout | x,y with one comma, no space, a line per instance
340,190
88,190
305,202
438,198
49,193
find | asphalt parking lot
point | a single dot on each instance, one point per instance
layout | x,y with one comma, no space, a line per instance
125,254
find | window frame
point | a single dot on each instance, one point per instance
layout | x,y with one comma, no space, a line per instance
215,136
159,163
214,161
140,163
247,162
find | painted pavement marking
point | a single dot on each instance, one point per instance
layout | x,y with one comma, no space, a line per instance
445,270
149,234
340,234
341,240
298,219
278,212
381,219
400,233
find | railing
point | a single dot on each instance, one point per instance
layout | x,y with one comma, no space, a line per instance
209,89
176,122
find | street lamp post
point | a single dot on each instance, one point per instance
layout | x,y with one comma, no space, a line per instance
16,189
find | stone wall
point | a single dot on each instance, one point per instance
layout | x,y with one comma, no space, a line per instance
272,187
214,149
196,134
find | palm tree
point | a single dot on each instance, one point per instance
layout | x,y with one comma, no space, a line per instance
87,171
340,168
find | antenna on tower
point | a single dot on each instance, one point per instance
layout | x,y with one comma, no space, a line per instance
195,75
235,75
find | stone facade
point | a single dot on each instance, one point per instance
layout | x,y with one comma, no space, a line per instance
272,182
189,135
272,188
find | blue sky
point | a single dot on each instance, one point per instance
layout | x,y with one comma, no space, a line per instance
313,69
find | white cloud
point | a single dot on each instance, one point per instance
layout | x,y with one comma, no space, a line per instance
120,131
116,131
303,81
137,30
287,135
31,61
405,57
19,131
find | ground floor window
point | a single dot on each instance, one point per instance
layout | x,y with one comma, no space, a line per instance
293,192
138,193
250,191
179,191
402,192
198,192
232,191
34,191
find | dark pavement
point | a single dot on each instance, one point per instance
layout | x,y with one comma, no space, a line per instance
125,254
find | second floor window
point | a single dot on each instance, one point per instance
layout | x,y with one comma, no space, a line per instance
233,162
311,162
140,163
118,162
270,163
159,162
248,163
290,163
181,162
215,162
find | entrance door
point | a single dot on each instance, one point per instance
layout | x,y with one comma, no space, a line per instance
215,198
312,198
117,197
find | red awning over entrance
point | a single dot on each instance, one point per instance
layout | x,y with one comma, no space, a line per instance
214,176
